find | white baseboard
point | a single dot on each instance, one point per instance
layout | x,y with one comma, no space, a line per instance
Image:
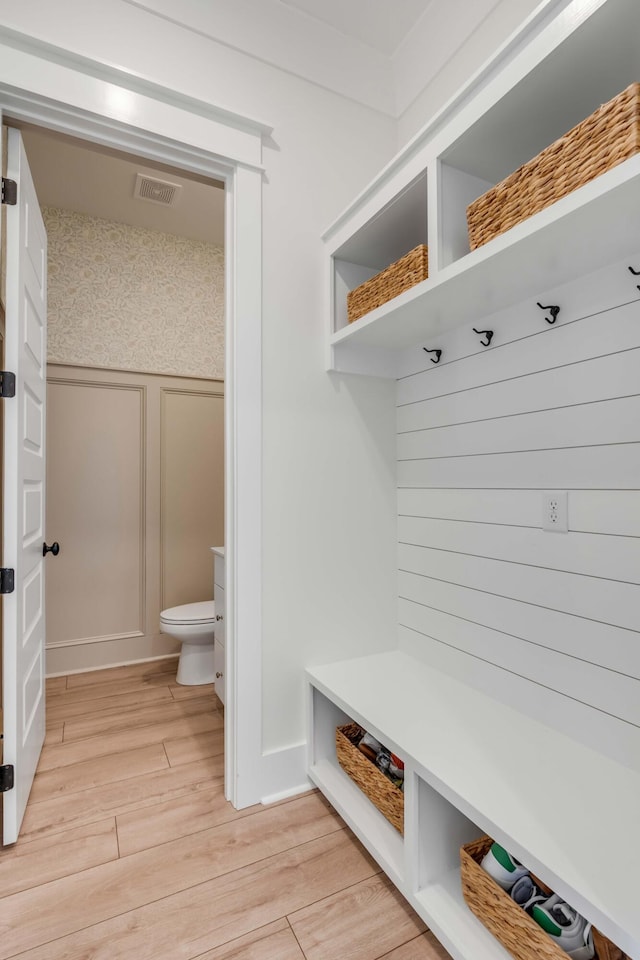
287,794
283,773
118,652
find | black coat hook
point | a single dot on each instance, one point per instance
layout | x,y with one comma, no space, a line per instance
553,310
636,273
488,334
438,354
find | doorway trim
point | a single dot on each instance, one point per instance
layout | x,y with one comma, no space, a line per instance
42,85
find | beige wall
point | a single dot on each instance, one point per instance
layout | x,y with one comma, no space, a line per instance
126,298
135,498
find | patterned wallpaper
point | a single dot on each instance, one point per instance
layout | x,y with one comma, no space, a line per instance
133,299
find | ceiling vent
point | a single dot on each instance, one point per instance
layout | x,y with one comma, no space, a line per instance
156,191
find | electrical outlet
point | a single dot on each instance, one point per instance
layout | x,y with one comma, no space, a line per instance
555,511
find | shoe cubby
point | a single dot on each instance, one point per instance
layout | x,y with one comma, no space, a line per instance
383,840
475,767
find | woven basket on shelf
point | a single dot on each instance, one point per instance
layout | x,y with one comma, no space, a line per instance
604,139
395,279
381,791
516,930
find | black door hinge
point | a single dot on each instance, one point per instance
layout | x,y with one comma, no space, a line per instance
6,777
7,384
9,192
7,578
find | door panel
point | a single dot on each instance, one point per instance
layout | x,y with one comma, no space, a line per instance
23,474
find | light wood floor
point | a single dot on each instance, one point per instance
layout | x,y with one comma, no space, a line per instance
129,850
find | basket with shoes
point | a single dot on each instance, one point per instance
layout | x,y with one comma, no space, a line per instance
526,916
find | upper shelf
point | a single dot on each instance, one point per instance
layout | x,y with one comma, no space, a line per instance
593,226
570,57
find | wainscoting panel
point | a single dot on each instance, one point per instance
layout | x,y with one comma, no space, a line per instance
134,495
192,494
541,618
95,509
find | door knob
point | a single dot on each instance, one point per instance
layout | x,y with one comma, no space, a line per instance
219,616
218,674
54,549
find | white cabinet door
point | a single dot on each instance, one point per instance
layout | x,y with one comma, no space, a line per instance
23,639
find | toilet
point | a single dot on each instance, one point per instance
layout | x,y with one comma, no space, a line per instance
194,625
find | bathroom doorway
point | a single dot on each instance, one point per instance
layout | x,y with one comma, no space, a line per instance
136,465
110,109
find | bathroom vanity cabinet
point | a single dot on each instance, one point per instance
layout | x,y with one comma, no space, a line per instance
219,598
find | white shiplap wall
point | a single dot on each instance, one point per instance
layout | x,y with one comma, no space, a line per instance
548,619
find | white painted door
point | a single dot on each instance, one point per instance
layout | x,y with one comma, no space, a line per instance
24,474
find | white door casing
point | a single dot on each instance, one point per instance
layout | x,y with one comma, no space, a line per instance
24,499
42,85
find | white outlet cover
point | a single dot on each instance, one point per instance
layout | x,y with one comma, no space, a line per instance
555,511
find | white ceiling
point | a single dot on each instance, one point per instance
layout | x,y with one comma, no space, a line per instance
380,24
73,175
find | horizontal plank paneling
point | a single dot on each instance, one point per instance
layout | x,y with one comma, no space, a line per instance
599,379
598,298
615,512
482,588
596,642
543,349
597,730
614,467
606,600
614,558
618,695
607,422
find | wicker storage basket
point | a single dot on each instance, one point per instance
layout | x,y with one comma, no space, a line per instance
382,793
516,930
604,139
404,273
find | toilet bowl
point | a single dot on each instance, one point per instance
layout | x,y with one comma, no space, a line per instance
194,625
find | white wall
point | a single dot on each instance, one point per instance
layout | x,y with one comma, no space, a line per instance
317,596
442,53
546,618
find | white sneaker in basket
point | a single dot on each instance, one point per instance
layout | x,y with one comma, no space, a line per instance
526,893
565,926
502,867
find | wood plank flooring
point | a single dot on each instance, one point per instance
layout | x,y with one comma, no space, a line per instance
129,849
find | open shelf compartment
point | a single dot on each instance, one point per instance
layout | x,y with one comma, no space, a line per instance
380,838
396,229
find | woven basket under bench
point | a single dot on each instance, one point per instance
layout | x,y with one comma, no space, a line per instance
381,791
508,922
606,138
394,280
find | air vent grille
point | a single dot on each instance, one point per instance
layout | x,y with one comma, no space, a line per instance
156,191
